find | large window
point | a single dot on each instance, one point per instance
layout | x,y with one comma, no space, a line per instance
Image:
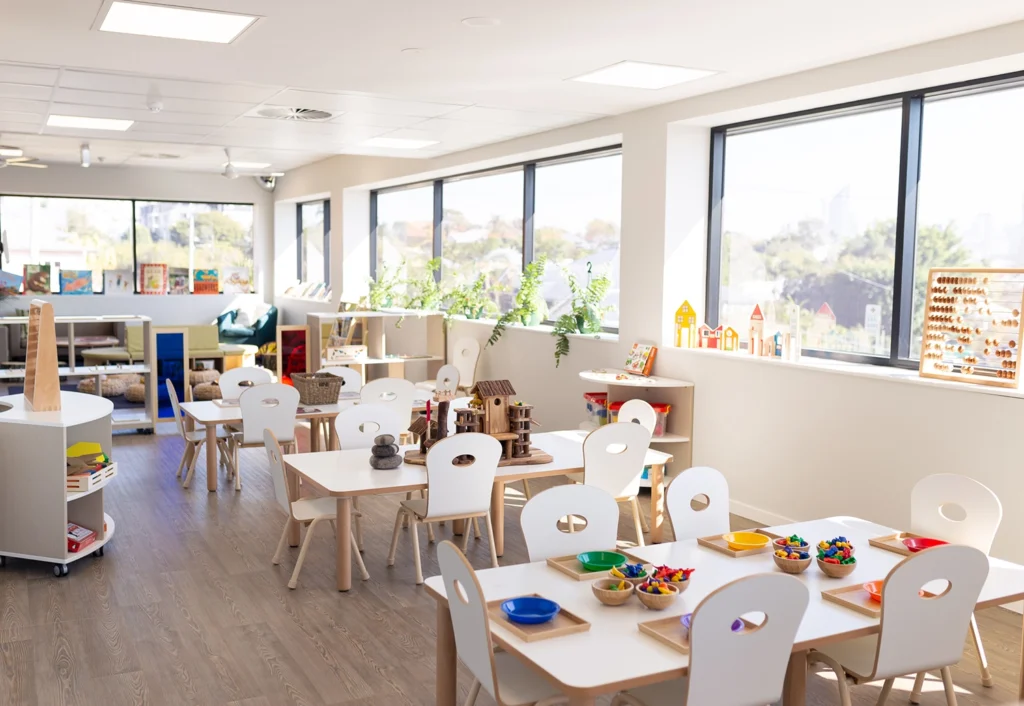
576,224
482,233
314,225
194,236
405,231
73,234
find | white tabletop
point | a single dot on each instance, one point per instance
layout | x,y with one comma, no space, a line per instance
75,408
349,472
206,412
586,660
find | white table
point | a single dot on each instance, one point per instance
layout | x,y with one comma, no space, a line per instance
584,666
347,474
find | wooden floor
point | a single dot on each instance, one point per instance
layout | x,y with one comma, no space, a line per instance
186,608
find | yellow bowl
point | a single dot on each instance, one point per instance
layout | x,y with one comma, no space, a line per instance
743,541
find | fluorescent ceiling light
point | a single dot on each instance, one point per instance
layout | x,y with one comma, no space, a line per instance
10,151
636,74
175,22
74,121
397,143
277,174
248,165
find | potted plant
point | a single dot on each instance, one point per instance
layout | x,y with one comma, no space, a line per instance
424,292
587,312
471,300
530,308
383,294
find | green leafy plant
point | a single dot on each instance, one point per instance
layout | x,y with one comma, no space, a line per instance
529,302
424,292
384,290
587,312
471,300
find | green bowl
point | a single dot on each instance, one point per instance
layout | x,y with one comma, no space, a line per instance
601,561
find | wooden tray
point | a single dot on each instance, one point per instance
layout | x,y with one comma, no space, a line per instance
668,631
894,542
83,483
854,598
571,567
536,457
565,623
718,544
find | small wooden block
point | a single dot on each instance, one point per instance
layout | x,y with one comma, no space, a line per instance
565,623
536,457
854,598
571,567
717,542
894,542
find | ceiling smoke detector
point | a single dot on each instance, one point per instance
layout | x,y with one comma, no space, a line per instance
303,115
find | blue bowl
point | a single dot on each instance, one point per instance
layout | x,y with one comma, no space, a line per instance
530,610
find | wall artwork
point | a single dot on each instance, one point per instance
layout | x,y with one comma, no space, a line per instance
153,279
37,279
118,282
76,281
177,280
237,280
206,282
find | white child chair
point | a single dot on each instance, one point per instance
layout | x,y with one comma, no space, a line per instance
613,460
508,681
194,440
351,381
930,499
306,511
762,649
234,381
918,633
712,518
454,492
397,393
447,380
465,357
541,515
272,406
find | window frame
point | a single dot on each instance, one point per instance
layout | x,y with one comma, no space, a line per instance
327,239
529,169
911,104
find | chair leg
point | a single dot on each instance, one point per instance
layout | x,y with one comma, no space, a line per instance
399,521
644,522
947,683
358,523
884,696
915,693
490,540
281,543
185,458
359,558
526,490
192,465
572,524
844,688
986,675
414,530
636,522
465,540
302,554
430,532
406,518
474,691
476,527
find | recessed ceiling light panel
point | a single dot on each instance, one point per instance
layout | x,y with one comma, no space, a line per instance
481,22
7,151
396,143
82,123
637,74
174,22
247,165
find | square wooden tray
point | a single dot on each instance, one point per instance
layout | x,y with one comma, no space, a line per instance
717,543
894,542
669,631
565,623
854,598
571,567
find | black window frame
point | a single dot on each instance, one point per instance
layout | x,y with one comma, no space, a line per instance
529,203
327,239
911,104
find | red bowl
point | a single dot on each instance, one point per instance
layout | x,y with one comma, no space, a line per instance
874,589
916,544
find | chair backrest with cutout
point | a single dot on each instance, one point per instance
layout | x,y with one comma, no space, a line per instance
277,471
447,379
358,426
613,458
233,382
351,381
712,518
397,393
931,511
541,515
927,632
272,406
456,488
465,356
470,621
638,412
763,650
173,394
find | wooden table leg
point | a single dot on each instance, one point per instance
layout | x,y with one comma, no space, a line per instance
294,533
333,443
498,517
458,527
794,690
447,658
314,435
344,544
211,457
657,478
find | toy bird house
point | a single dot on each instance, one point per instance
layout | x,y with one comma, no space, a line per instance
494,403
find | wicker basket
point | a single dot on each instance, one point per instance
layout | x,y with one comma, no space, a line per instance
836,571
317,388
792,566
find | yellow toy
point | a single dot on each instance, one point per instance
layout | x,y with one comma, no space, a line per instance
686,326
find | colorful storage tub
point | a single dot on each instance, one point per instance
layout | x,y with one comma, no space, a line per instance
597,407
661,421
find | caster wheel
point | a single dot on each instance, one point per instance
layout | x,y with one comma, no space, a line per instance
3,561
60,570
98,552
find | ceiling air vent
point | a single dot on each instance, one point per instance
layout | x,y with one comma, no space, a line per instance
303,115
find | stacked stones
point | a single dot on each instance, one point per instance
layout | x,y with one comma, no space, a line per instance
385,453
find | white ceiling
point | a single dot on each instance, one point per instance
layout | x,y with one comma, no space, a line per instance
468,87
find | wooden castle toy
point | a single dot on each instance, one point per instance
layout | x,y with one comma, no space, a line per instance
686,326
756,335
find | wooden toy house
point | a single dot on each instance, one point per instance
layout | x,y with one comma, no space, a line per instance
494,403
730,340
686,326
756,333
709,337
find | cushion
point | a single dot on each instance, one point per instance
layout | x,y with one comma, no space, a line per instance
110,387
206,391
237,331
196,377
136,392
202,338
134,342
118,354
244,318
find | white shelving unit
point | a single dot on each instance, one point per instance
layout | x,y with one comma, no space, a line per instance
624,386
35,505
138,418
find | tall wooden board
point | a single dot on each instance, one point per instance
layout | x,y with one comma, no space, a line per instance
42,382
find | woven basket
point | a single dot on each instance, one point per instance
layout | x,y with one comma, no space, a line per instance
317,388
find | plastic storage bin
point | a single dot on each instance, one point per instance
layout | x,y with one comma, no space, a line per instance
660,409
597,407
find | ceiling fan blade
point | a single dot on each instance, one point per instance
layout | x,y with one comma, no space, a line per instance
26,164
15,160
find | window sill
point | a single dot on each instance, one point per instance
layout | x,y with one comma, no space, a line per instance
604,336
863,370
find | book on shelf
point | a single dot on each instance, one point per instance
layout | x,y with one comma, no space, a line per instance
237,280
640,359
153,278
75,282
79,537
37,279
118,282
206,282
177,280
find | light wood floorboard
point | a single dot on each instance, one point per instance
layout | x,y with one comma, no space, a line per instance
186,608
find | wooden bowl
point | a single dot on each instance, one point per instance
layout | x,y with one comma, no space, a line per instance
658,601
636,581
836,571
805,548
680,585
608,596
793,566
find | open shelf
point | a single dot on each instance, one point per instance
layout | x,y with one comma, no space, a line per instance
670,439
106,475
608,377
324,363
107,536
